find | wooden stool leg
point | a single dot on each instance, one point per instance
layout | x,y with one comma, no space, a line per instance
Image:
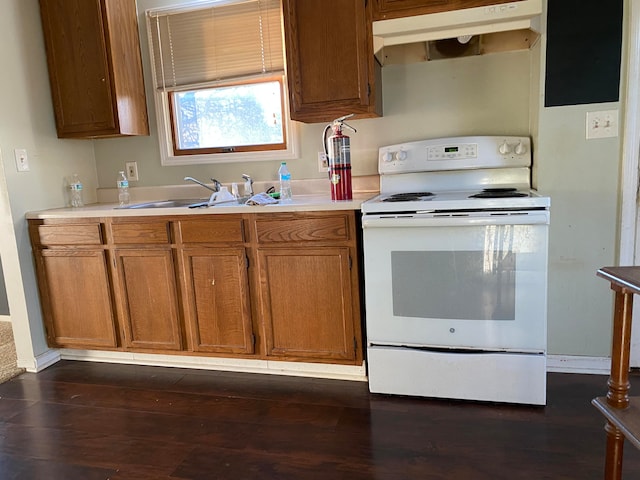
618,393
615,448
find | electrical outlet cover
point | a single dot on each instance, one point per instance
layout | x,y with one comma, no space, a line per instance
132,171
323,162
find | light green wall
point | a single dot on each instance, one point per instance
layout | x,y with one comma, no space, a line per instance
424,100
471,96
479,95
26,121
582,178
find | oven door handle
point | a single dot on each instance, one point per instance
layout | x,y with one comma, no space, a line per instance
528,218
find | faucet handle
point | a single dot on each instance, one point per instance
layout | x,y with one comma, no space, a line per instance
248,185
216,184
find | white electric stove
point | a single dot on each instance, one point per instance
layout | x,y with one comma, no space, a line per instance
455,259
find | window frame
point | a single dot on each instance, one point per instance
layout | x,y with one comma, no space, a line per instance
228,149
163,115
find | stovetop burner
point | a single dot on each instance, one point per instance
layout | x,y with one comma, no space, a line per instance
407,197
499,193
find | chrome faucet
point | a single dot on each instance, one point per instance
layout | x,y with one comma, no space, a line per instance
248,185
215,188
216,184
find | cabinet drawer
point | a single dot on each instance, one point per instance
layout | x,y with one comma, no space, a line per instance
140,233
70,234
306,229
212,231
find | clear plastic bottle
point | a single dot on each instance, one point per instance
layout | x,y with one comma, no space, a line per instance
285,183
75,189
123,189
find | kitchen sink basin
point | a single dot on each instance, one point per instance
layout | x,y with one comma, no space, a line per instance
182,202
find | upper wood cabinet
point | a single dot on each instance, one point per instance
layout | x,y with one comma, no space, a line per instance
385,9
95,68
331,69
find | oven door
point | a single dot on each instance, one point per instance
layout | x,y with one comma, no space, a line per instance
476,282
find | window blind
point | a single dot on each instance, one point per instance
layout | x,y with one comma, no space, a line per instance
218,42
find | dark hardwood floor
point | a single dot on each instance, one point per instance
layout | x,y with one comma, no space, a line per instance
89,421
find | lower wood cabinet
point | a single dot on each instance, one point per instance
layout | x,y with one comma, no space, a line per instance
75,292
274,286
145,283
306,302
217,300
147,298
74,284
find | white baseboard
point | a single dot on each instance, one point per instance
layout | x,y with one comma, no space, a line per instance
578,364
299,369
42,361
555,363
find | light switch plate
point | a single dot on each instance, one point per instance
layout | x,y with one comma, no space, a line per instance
602,124
22,161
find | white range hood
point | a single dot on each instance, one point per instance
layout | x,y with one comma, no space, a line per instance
520,15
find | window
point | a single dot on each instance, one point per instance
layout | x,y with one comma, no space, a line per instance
220,87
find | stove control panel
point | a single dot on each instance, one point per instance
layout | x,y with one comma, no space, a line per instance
455,153
458,152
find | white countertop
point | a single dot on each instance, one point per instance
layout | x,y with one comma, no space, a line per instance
299,203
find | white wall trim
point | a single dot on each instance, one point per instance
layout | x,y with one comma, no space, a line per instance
41,362
578,364
555,363
299,369
630,151
5,318
630,139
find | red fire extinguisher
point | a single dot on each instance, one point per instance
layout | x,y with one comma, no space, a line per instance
337,149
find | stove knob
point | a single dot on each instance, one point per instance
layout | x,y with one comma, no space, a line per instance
401,155
520,149
387,157
504,148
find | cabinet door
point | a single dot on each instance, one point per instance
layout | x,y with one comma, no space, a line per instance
331,69
218,306
148,300
93,56
384,9
306,303
76,298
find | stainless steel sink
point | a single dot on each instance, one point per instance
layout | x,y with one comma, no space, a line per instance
182,202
